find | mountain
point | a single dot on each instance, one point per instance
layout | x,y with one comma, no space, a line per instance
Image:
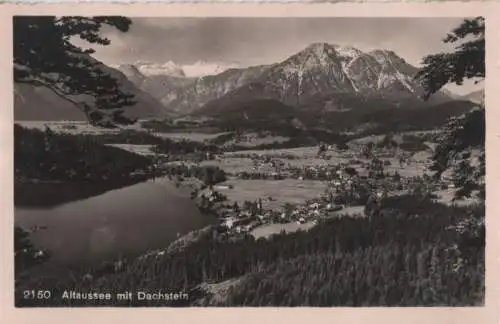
194,70
321,76
131,72
40,103
203,68
183,95
167,68
330,77
476,97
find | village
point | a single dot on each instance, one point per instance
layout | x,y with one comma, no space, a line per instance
343,181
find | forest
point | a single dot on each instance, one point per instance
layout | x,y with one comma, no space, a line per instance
44,155
410,251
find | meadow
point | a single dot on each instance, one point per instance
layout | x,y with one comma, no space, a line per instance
281,191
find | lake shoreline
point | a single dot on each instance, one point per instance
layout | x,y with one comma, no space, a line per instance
32,193
185,231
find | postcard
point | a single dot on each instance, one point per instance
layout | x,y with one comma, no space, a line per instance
200,157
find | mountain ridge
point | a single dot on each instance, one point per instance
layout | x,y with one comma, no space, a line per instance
317,70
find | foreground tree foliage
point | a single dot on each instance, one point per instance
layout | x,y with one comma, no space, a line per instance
45,56
466,62
466,132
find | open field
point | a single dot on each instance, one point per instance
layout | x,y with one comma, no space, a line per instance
267,230
306,151
69,127
350,210
281,191
141,149
397,137
275,228
237,164
253,139
446,197
191,136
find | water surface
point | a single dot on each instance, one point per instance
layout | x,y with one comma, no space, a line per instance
122,222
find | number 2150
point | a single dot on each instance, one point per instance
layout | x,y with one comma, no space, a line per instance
37,294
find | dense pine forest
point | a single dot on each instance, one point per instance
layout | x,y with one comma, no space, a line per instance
55,157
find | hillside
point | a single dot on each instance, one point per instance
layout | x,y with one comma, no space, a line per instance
184,95
40,103
317,75
371,116
475,96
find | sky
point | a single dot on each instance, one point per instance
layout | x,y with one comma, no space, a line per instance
253,41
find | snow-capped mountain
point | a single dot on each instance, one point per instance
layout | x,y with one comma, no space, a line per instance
141,70
320,73
322,68
203,68
167,68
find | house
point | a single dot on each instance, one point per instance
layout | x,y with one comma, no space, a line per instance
229,223
245,213
333,207
223,187
314,205
39,254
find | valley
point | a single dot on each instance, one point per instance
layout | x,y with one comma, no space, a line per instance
329,175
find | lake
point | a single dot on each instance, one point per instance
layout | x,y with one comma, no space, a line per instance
122,222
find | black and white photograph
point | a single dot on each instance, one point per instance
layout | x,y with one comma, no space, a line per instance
249,161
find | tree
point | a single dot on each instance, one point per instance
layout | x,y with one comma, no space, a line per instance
466,62
376,168
44,55
342,146
468,131
351,171
26,255
236,207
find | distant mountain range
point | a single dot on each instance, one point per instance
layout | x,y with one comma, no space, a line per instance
315,76
197,69
475,97
322,78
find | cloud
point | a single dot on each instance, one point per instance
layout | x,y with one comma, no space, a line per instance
255,41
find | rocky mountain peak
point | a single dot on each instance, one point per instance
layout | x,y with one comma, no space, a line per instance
166,68
320,70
